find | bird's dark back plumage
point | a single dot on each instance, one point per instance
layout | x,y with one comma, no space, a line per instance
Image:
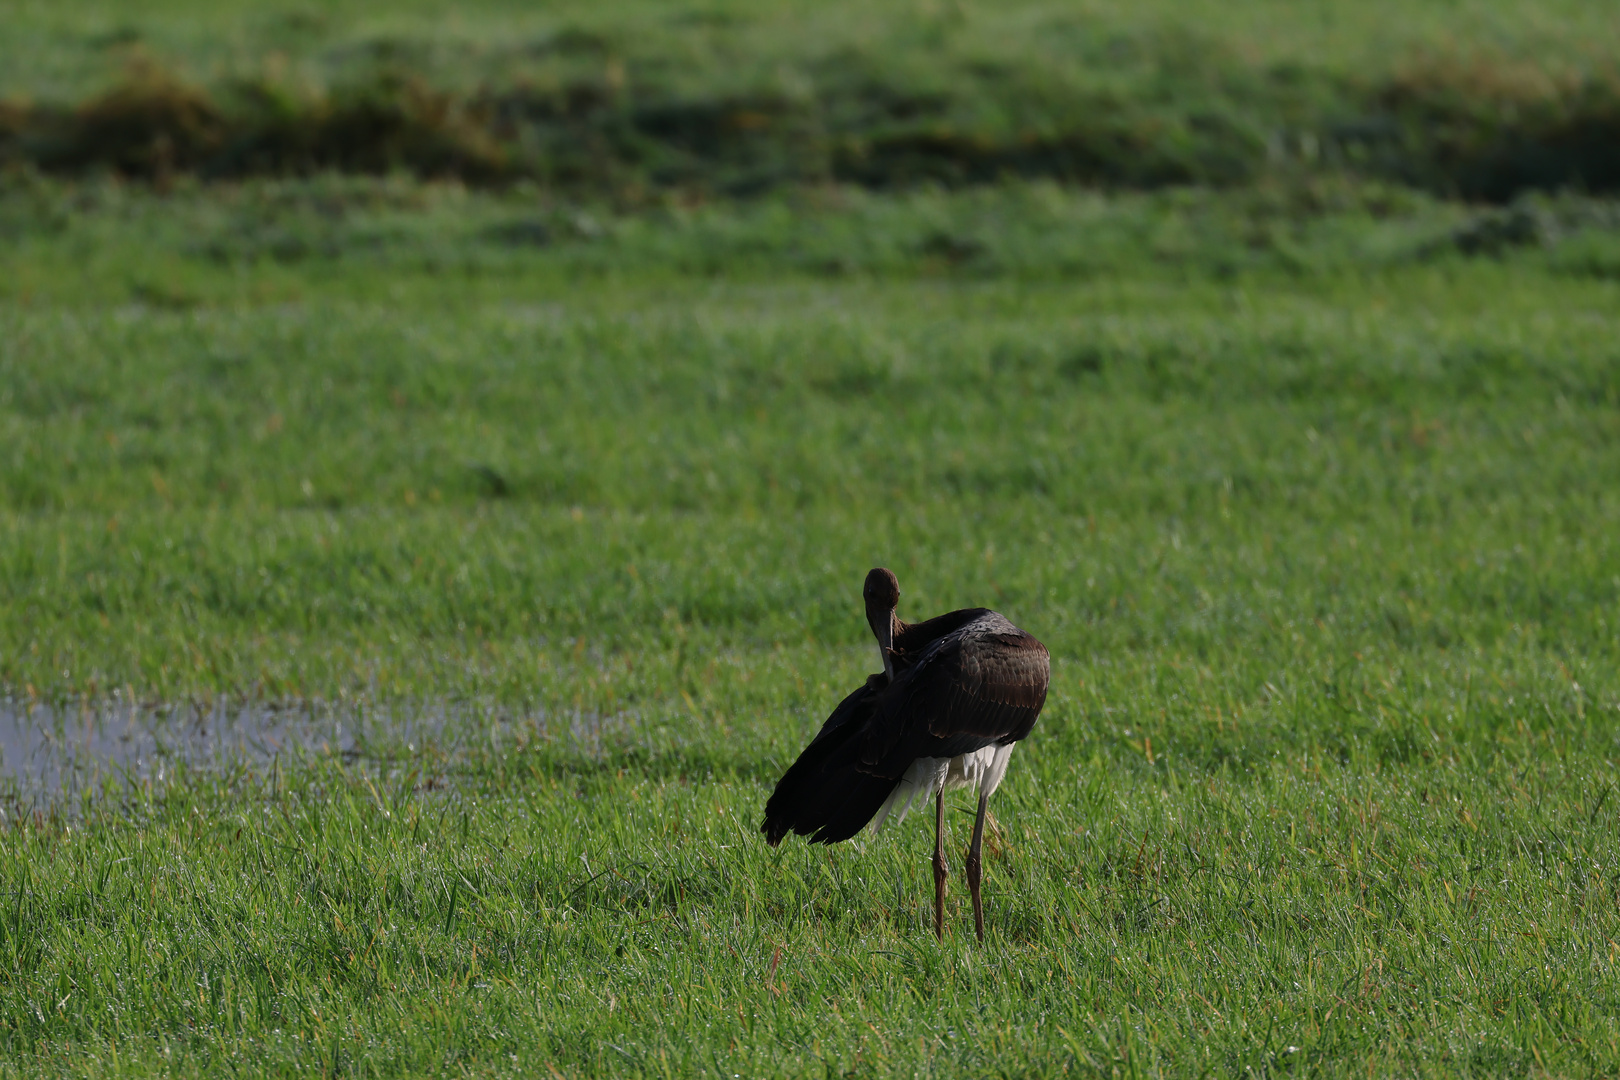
962,681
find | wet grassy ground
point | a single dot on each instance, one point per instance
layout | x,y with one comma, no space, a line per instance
1323,546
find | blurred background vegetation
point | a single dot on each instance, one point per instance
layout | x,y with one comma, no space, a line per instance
639,101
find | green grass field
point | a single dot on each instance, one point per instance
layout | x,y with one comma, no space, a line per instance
1311,485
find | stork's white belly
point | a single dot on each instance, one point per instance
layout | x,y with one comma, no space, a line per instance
982,769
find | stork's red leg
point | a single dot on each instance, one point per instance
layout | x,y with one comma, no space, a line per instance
974,865
941,871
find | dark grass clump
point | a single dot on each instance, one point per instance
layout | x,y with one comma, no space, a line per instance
1480,129
151,125
1489,130
154,125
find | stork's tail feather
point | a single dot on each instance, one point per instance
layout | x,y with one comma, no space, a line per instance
825,794
899,800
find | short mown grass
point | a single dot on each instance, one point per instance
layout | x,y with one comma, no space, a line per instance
1447,909
1326,560
1309,484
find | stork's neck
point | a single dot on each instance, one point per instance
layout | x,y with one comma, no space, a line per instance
886,627
887,654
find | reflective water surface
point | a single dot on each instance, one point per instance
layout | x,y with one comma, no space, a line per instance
50,754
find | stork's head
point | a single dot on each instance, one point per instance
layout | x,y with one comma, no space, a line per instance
882,594
882,590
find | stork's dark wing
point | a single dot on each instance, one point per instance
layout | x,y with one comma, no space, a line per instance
855,709
823,792
984,683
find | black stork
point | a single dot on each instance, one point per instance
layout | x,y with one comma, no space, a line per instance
955,695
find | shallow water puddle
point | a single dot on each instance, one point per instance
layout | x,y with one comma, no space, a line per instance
48,754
